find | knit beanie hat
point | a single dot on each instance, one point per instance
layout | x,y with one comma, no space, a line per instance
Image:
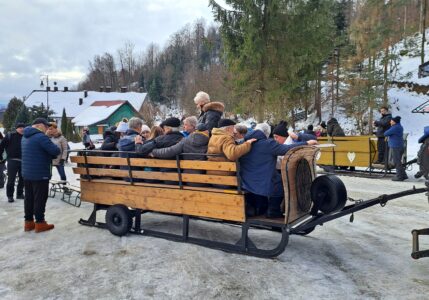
397,119
281,129
225,123
171,122
122,127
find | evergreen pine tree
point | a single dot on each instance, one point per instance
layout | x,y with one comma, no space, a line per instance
64,124
11,113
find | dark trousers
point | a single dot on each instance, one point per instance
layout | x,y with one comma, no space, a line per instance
13,169
36,195
381,148
61,171
2,168
260,203
397,159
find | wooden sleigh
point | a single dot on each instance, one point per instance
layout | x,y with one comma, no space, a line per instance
128,188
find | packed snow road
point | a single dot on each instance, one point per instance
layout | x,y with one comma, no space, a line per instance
369,258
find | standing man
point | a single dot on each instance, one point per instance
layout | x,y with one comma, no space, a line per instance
210,112
37,154
396,141
382,125
12,144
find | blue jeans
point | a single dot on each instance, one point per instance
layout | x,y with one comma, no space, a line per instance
61,171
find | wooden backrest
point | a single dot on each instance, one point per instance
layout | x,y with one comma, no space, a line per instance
357,151
298,172
157,169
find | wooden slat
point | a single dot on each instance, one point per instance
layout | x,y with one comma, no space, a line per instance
194,203
157,163
169,186
194,178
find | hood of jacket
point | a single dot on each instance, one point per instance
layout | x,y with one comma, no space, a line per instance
127,142
219,131
198,139
216,106
425,134
29,131
255,134
332,121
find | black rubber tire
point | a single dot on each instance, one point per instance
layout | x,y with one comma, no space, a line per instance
328,194
118,219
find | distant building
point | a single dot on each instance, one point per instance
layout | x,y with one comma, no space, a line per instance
103,114
76,102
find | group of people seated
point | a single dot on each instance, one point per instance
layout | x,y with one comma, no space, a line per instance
211,137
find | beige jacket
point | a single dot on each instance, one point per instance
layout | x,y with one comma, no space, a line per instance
61,143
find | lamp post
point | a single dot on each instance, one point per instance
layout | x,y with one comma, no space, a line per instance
42,78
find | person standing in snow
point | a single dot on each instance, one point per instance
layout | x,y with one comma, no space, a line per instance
37,154
395,136
211,112
86,139
12,145
382,125
423,155
60,141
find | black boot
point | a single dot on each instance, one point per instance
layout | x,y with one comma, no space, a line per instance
274,210
10,199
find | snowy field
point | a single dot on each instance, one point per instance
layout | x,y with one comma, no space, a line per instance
367,259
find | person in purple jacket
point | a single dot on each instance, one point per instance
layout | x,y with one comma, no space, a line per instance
396,142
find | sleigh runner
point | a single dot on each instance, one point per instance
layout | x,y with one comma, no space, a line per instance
128,188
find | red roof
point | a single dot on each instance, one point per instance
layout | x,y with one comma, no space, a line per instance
108,103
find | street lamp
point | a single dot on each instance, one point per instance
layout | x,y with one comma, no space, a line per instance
42,78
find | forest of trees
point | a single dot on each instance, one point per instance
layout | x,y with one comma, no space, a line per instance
271,58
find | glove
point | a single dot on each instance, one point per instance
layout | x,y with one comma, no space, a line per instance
62,161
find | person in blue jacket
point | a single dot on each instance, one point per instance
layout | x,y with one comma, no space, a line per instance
396,141
258,172
37,154
423,155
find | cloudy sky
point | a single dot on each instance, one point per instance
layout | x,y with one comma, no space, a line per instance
59,37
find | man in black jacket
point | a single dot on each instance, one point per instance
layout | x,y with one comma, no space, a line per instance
382,125
211,112
12,144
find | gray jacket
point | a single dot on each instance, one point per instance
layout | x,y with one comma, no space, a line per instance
195,143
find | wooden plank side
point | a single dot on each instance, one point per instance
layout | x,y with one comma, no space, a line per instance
169,186
194,203
146,162
172,176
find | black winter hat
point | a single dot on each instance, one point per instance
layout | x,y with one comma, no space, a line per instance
41,121
225,123
281,129
19,125
202,127
171,122
323,124
310,127
397,119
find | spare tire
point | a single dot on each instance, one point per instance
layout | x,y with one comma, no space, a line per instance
118,219
328,194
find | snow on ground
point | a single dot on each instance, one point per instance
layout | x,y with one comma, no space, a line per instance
367,259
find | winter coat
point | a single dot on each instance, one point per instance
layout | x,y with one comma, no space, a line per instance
162,141
311,132
334,129
12,144
383,124
37,154
396,136
86,141
258,167
61,142
195,143
425,135
221,142
211,114
109,142
126,143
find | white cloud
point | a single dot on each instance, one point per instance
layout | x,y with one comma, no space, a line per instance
60,37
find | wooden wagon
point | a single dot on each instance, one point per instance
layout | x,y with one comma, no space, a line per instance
350,152
128,187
